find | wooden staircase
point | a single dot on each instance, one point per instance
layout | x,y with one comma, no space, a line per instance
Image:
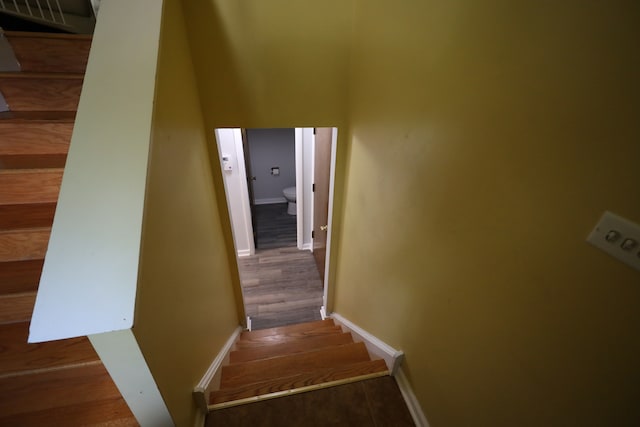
60,383
280,361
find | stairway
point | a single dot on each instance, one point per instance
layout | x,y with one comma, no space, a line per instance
60,383
280,361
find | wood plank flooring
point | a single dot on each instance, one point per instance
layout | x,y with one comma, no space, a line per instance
281,286
274,227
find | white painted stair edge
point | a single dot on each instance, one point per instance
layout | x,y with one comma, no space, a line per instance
393,358
202,390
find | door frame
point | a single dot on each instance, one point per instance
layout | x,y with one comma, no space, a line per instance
303,135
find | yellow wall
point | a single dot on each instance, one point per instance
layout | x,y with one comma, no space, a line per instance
185,308
487,139
480,142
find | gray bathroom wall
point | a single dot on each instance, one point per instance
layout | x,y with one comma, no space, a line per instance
272,148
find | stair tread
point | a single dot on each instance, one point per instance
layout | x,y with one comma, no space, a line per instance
20,276
55,54
17,356
299,346
65,387
16,308
318,376
237,374
29,186
29,117
34,137
32,92
24,244
112,412
32,215
280,339
284,330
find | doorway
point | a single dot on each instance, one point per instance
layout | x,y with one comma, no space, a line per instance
282,280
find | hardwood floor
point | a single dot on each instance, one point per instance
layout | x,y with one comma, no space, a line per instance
275,228
281,286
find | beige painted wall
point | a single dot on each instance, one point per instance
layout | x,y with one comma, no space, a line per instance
479,144
272,64
487,139
185,310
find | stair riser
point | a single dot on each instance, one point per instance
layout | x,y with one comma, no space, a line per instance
251,372
30,186
23,245
20,276
16,308
55,55
35,215
41,94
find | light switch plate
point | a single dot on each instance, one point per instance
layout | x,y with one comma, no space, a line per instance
618,237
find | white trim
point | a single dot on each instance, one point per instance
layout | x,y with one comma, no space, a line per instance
392,357
415,409
270,200
299,187
248,323
323,313
332,172
201,391
244,190
244,252
307,247
123,359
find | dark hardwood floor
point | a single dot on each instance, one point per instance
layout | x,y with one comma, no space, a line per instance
274,227
281,287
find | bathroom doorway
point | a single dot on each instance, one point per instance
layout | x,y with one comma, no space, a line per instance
271,159
281,281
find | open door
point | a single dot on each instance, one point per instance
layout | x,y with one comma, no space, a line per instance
321,173
250,179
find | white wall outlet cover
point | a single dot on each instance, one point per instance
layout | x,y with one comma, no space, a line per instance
618,237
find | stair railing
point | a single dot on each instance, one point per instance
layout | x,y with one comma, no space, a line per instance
53,13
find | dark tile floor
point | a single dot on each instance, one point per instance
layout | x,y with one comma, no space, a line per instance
274,227
376,402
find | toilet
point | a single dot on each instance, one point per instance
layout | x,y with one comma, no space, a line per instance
290,195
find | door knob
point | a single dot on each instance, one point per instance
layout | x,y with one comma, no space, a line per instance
324,227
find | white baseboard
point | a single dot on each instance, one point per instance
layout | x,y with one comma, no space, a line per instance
270,201
244,252
306,247
323,312
415,409
201,391
392,357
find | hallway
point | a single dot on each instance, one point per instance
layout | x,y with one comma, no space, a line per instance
281,286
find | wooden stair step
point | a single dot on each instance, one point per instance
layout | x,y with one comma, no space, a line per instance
15,308
38,92
34,117
20,276
34,215
249,342
32,161
112,412
17,356
42,52
85,384
298,381
239,374
294,347
28,186
24,244
39,137
285,330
